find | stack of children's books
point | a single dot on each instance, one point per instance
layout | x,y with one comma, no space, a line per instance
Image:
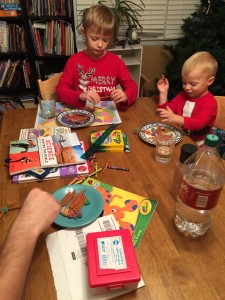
46,153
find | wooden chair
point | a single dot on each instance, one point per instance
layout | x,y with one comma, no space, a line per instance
144,79
220,120
47,87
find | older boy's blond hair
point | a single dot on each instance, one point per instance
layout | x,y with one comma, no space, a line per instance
100,18
202,61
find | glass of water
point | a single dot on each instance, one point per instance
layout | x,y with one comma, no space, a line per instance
164,148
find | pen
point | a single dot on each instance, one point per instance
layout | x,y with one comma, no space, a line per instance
118,168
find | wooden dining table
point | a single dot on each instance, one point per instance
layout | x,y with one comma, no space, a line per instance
172,265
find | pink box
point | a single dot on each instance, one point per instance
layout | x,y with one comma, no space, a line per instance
112,262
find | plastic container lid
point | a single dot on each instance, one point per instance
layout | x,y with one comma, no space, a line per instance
211,140
186,151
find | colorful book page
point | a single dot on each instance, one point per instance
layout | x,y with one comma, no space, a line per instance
27,133
105,113
122,204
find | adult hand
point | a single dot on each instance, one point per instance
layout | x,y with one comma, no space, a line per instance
38,211
167,115
118,96
91,96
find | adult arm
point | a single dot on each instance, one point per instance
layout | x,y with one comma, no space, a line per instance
37,214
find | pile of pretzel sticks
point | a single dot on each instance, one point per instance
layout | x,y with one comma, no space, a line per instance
72,203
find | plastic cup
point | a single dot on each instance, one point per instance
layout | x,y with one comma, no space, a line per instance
48,108
164,148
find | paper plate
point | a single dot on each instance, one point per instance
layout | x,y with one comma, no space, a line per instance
75,118
89,212
149,132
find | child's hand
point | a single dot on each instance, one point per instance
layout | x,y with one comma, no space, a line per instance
167,115
163,84
91,96
118,96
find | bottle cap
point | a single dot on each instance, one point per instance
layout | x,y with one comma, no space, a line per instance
211,140
186,151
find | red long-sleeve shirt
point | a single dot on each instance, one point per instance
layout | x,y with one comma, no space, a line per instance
198,113
82,73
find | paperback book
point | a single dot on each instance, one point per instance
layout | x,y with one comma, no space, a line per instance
53,173
28,133
105,113
47,152
125,206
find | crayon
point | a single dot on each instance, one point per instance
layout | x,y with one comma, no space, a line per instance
118,168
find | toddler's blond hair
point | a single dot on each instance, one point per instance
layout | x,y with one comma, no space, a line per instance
100,18
202,61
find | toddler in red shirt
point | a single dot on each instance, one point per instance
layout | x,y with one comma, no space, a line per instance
195,108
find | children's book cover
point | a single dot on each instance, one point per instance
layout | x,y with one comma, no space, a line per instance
28,133
122,204
46,152
53,173
113,143
105,113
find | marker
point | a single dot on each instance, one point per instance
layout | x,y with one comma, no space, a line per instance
118,168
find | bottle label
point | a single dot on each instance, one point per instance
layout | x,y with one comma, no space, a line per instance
197,198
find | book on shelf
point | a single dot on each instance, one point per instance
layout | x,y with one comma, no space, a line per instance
113,143
59,8
3,36
70,265
105,114
8,13
50,151
124,205
6,67
10,6
12,73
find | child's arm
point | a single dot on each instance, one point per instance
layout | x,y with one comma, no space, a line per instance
128,94
163,87
167,115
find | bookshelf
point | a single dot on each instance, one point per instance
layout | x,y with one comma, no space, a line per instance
36,39
52,35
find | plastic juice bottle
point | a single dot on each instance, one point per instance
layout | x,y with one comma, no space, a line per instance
200,188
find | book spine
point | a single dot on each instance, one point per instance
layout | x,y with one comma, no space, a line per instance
10,6
3,36
8,13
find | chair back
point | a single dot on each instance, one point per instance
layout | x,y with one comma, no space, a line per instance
220,120
47,87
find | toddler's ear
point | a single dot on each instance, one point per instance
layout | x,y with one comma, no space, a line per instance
211,80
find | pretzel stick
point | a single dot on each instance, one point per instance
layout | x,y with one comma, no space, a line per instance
67,198
76,199
77,204
81,203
